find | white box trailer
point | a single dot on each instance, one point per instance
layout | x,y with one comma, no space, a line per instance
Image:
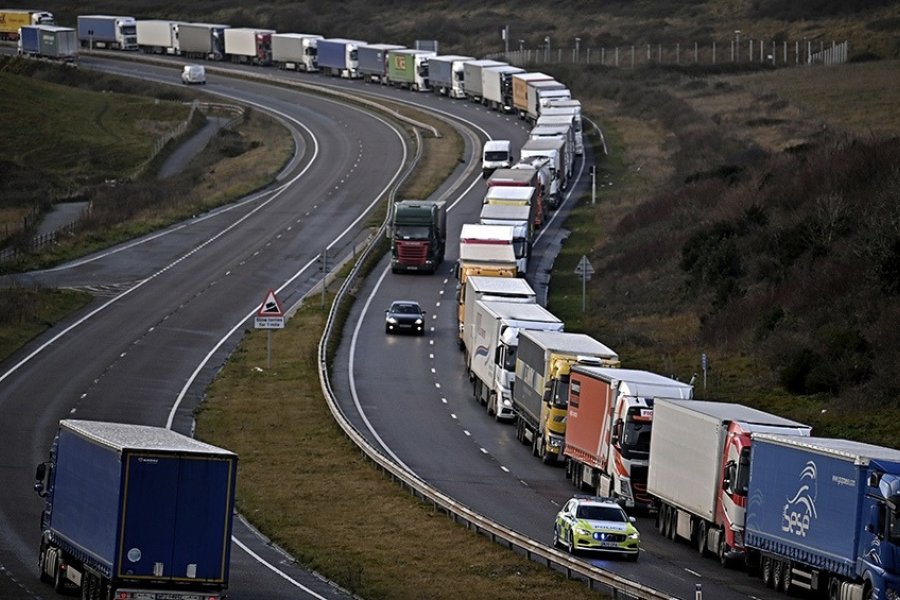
156,36
447,75
519,217
249,45
691,444
295,51
537,90
472,73
558,108
485,287
496,86
492,354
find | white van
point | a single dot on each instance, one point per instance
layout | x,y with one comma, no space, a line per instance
194,74
496,155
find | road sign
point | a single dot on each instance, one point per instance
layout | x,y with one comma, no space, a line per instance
584,268
270,314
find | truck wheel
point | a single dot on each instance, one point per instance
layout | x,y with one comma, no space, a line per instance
786,578
767,571
546,457
834,588
777,574
42,558
59,583
489,406
702,534
722,551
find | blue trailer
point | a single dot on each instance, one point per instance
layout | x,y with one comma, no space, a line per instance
339,57
135,512
824,515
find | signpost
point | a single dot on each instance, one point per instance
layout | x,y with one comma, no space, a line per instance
584,270
269,316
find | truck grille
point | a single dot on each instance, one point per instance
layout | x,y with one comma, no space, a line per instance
639,484
412,253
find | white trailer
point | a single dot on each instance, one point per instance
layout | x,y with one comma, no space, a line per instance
538,90
447,75
472,73
492,349
691,446
249,45
561,108
519,217
295,51
485,287
567,122
155,36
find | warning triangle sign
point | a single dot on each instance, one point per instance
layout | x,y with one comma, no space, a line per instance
270,307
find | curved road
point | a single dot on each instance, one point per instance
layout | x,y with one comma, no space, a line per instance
170,307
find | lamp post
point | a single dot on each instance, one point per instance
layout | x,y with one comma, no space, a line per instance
547,49
737,44
577,49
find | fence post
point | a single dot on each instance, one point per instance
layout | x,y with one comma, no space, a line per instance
714,53
632,57
696,54
678,54
617,56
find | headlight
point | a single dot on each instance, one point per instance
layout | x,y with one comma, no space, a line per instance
391,320
634,536
418,321
506,402
583,531
556,442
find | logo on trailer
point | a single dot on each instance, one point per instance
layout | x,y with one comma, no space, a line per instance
800,510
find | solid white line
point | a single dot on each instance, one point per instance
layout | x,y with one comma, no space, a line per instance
276,570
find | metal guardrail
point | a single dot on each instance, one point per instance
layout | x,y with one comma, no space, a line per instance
618,587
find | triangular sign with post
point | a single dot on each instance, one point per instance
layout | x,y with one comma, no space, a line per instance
270,314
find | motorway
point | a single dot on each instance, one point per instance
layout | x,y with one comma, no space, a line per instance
171,306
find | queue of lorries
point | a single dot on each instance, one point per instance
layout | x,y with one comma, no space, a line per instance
740,484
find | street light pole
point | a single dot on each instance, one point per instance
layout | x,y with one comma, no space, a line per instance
737,43
577,49
547,49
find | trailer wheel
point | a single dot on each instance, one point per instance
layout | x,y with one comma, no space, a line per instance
834,588
673,524
786,578
767,571
777,574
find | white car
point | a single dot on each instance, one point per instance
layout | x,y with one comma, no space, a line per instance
194,74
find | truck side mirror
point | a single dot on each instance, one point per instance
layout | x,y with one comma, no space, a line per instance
41,477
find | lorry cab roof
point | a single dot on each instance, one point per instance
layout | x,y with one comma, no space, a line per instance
736,412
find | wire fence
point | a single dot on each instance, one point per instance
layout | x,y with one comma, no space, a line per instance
735,51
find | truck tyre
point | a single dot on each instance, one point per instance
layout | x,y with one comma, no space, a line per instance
834,588
786,578
702,534
42,559
777,574
59,583
722,551
673,524
767,571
